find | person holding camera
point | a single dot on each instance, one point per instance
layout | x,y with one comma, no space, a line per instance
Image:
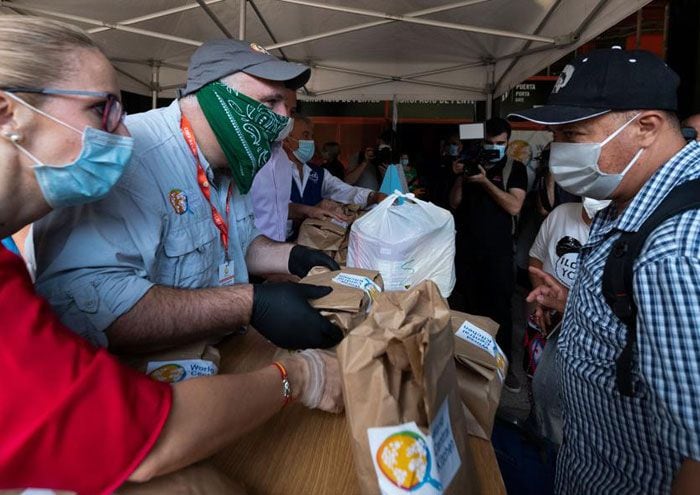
487,194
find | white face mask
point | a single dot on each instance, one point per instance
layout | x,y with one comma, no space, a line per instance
593,206
575,167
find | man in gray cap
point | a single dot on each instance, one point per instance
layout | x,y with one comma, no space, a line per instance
629,354
164,260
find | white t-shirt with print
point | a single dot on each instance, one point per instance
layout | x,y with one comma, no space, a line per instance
559,241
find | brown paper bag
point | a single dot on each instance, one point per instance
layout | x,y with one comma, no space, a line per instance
353,212
346,306
177,364
330,237
406,420
321,234
481,369
341,255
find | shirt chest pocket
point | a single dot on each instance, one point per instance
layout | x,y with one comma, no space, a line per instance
190,256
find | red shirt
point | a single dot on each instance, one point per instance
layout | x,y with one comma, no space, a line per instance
71,417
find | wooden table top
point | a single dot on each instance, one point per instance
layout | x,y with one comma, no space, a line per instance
302,451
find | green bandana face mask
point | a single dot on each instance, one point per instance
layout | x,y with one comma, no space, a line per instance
244,128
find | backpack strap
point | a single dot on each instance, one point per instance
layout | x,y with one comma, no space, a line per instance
618,274
507,169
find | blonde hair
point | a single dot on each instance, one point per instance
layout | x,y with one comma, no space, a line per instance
36,52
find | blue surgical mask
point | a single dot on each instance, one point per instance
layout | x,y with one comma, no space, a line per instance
306,150
99,165
501,148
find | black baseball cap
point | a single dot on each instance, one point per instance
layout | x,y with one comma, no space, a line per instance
219,58
607,80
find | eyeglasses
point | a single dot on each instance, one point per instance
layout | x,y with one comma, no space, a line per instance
111,110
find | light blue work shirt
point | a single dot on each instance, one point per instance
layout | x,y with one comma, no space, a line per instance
96,261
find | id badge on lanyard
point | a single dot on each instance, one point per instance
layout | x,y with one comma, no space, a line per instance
227,272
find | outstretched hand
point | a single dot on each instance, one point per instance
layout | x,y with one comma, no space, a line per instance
549,294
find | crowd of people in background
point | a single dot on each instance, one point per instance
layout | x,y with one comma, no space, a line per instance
514,232
160,235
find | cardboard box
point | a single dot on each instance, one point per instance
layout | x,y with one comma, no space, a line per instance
481,369
353,292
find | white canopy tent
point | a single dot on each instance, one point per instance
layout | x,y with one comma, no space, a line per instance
361,50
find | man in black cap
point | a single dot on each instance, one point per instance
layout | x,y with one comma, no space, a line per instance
165,258
631,428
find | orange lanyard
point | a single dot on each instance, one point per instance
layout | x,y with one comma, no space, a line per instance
205,187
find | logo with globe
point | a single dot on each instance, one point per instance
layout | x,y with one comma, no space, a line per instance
404,459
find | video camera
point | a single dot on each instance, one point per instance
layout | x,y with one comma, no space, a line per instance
473,152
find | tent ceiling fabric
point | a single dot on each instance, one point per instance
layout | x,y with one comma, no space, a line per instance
411,61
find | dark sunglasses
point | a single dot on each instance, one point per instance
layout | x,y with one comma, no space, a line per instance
111,109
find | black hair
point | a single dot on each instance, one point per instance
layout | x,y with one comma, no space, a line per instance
494,127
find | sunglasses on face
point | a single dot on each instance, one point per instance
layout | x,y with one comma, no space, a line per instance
111,110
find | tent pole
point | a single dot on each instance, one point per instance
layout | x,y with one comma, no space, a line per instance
490,76
528,44
132,77
638,37
405,77
155,83
388,78
452,68
241,19
214,18
272,36
96,22
410,78
148,63
665,38
367,25
267,28
589,18
425,22
154,15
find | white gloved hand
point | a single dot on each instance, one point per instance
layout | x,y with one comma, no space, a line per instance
323,386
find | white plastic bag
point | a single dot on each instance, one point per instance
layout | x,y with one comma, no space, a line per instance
407,243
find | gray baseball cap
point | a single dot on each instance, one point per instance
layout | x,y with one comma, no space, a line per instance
219,58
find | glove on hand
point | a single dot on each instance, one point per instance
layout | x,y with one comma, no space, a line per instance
282,314
302,259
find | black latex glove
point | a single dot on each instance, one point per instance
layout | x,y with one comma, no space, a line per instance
282,314
303,259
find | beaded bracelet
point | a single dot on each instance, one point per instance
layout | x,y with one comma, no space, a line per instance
286,386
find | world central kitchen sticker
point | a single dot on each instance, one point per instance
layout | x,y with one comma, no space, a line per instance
407,460
477,337
183,369
358,282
